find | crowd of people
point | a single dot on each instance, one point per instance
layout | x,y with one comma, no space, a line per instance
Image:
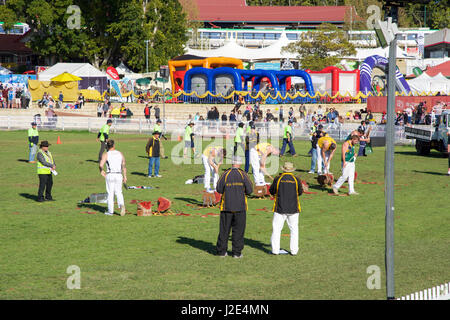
14,97
419,114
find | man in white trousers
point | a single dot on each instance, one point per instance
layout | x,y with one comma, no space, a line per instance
115,175
286,188
212,159
348,166
258,158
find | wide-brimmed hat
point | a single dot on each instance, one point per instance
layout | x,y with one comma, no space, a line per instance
288,167
44,144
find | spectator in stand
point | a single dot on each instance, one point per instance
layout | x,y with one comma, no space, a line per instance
291,113
281,115
106,107
247,111
224,118
319,111
51,102
157,112
232,117
99,110
123,111
369,116
81,100
60,99
269,116
5,96
147,110
197,117
11,97
239,116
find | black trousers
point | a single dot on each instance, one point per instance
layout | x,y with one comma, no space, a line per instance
234,221
102,149
45,185
236,146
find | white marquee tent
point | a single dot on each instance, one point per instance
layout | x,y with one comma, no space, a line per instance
425,83
92,78
233,50
81,70
273,52
4,71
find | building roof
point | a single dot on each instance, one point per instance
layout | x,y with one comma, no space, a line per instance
443,68
237,11
438,37
13,43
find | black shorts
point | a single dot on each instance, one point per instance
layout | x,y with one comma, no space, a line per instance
189,144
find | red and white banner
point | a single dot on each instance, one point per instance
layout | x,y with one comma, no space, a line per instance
112,72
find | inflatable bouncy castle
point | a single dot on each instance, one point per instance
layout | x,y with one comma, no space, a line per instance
180,65
376,61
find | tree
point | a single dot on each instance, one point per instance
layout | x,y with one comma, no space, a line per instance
109,32
321,48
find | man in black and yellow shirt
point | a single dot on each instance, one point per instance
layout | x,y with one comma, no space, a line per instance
153,150
286,188
235,186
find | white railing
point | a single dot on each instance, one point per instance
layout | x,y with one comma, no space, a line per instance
301,130
440,292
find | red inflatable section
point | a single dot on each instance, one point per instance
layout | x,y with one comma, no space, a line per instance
379,104
335,71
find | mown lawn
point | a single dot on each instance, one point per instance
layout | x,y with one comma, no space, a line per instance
171,257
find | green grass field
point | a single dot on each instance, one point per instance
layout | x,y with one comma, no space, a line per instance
172,257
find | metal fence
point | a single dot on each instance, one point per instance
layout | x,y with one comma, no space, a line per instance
176,128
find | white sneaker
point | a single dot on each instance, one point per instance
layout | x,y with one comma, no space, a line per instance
122,211
311,171
335,190
109,214
158,176
353,193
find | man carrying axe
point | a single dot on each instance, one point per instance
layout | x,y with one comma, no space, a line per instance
326,146
348,166
115,175
258,158
212,159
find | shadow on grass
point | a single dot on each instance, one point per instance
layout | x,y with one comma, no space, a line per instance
29,196
190,200
22,160
92,206
95,161
431,154
431,172
198,244
255,244
318,187
144,157
139,174
211,248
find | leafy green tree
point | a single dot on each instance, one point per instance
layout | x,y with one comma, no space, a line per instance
322,48
109,32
